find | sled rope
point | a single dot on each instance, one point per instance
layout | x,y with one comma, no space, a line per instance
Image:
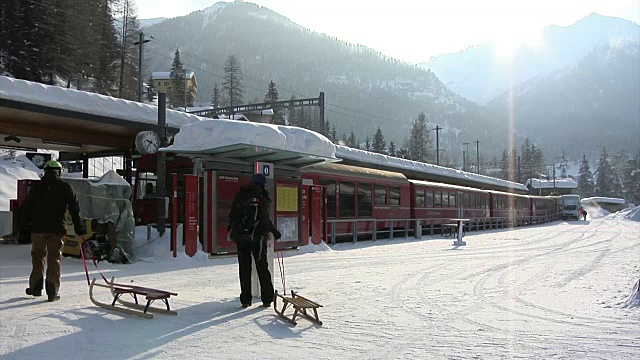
281,267
84,262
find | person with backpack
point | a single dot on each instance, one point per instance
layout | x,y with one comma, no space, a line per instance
249,226
46,204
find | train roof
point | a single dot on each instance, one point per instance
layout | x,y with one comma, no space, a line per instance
355,171
423,171
448,186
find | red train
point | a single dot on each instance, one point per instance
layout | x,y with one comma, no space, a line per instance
364,203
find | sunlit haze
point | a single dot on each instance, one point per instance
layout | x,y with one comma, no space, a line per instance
414,30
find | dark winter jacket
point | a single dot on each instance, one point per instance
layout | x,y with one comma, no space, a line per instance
265,225
46,204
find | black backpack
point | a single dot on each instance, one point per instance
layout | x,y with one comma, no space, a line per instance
244,218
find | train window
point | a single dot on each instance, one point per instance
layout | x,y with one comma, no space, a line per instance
445,199
420,198
429,198
472,200
365,207
394,195
331,196
452,199
467,203
437,198
381,195
483,202
347,199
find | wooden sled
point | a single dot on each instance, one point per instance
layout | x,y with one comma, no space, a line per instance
300,305
133,308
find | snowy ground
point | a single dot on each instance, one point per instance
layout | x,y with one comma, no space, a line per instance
563,290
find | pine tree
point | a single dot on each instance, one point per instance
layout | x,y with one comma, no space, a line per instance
178,82
232,84
419,139
379,145
585,179
272,97
104,78
504,165
333,133
215,97
367,145
150,95
392,149
352,141
564,166
604,176
128,69
631,179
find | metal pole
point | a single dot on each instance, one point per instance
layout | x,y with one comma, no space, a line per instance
478,156
437,129
185,90
321,106
140,82
464,161
161,163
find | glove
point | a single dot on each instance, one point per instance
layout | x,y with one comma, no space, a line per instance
80,230
276,234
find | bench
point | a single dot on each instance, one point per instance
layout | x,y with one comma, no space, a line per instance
300,305
449,229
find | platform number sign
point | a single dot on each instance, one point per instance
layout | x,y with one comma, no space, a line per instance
265,169
75,167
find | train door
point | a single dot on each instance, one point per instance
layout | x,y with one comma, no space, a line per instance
460,205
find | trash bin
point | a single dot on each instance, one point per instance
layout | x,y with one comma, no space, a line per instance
418,232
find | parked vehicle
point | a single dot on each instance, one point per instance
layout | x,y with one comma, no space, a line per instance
571,206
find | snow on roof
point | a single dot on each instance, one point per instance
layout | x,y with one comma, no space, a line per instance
166,75
603,200
86,102
215,133
566,183
345,152
448,186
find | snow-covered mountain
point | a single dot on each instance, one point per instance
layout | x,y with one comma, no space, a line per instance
477,74
148,22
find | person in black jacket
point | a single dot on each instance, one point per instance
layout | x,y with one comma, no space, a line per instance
45,208
253,241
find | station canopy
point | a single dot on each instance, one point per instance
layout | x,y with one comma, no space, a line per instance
250,142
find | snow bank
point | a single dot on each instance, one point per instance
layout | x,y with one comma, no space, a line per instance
157,248
632,213
209,134
634,298
12,170
311,248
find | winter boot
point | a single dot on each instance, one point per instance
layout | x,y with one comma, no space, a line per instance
51,292
33,292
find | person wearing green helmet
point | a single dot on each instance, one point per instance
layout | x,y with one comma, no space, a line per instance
45,207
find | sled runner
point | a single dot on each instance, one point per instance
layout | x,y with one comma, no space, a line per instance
300,305
133,308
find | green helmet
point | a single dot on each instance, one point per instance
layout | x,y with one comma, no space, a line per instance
53,165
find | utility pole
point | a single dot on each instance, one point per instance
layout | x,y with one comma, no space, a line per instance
161,164
477,156
464,161
140,80
437,129
321,109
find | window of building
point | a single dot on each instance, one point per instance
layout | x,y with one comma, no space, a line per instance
347,199
365,206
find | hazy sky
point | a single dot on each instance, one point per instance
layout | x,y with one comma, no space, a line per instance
415,30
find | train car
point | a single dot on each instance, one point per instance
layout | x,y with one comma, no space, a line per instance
362,199
514,207
440,202
543,208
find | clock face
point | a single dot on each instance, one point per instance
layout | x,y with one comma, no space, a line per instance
147,142
38,160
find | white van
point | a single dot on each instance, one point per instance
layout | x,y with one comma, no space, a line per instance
571,206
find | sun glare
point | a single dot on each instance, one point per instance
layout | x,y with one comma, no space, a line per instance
510,40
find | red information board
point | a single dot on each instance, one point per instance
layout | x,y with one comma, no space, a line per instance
191,214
